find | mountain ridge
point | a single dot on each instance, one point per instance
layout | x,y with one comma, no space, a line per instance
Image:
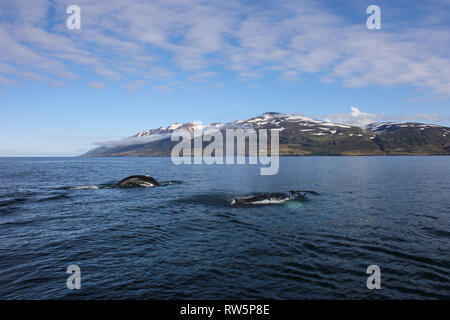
300,135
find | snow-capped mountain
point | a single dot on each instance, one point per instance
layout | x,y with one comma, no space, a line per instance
300,135
190,126
269,120
383,127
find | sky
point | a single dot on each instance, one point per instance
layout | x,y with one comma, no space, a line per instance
137,65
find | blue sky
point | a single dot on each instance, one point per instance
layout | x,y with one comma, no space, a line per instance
137,65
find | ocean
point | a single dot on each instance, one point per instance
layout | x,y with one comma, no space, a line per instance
185,240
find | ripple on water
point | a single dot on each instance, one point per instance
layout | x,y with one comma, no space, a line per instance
185,240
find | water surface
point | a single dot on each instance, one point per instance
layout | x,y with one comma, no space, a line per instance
185,240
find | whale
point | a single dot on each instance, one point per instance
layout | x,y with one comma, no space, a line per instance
270,198
144,181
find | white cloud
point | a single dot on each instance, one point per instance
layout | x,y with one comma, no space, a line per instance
358,118
203,76
27,75
132,140
96,85
290,75
355,118
135,85
163,89
8,81
57,84
155,40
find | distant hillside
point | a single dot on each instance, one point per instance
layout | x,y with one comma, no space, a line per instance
302,136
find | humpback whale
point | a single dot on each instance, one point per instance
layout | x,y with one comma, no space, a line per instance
138,181
270,198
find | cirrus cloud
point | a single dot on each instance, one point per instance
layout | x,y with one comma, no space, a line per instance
159,39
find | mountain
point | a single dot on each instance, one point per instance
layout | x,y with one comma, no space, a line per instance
411,138
301,136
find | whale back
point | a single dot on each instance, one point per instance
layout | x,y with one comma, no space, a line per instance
138,181
267,198
271,198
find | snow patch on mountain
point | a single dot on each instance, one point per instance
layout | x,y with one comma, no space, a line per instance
382,127
272,121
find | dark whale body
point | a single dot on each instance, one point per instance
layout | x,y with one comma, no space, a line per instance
138,181
270,198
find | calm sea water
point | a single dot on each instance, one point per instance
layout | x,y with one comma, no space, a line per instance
185,240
